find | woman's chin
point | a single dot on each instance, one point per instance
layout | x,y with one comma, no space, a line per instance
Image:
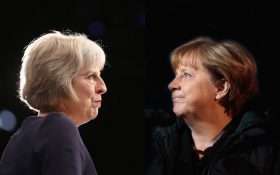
177,111
93,114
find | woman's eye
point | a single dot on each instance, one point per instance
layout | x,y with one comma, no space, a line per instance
92,76
187,74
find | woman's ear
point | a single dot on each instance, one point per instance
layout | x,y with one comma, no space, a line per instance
223,87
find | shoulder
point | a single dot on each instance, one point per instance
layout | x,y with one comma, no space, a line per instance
163,124
56,128
164,129
253,124
59,121
252,144
250,158
253,132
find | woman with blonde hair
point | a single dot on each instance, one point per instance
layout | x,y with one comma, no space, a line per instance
60,79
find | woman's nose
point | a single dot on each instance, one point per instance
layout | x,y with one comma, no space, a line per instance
101,87
174,84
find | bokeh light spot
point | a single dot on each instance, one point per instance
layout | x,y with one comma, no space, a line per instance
7,120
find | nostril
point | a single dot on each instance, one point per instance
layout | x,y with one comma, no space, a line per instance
102,90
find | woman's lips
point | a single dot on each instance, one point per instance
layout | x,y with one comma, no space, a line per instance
97,103
177,99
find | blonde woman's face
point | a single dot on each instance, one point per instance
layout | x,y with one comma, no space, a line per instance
89,87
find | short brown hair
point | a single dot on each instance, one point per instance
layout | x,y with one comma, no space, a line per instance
225,59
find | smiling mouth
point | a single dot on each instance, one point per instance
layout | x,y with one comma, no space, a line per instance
174,99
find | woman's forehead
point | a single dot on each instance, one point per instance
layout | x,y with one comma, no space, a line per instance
90,68
190,60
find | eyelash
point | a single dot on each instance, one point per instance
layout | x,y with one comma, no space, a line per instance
92,76
187,74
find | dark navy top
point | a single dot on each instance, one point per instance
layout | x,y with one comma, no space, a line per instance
48,145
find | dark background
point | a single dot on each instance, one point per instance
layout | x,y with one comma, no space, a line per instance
255,26
135,80
115,139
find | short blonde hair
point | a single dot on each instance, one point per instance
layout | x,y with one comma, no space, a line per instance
224,60
49,64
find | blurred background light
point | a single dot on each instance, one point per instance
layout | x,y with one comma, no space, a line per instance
142,20
7,120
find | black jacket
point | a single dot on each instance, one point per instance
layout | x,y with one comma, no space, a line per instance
248,146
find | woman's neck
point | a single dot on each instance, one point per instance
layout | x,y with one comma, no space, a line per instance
208,129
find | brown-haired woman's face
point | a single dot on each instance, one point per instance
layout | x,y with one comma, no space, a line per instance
89,86
193,90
